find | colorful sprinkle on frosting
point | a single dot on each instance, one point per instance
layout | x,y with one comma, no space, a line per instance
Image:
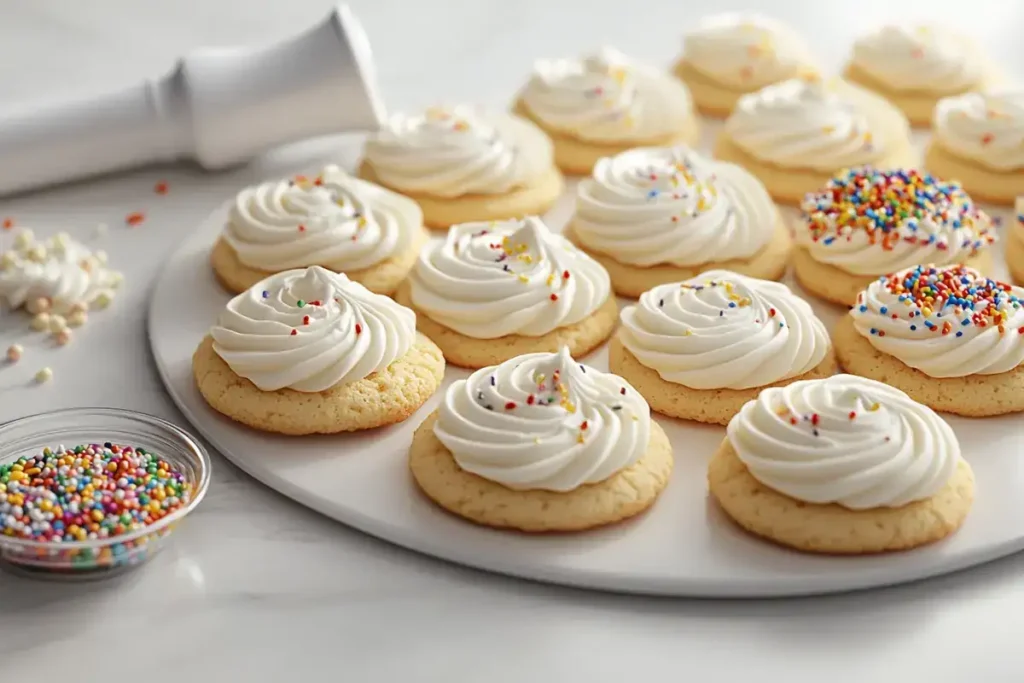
891,207
948,300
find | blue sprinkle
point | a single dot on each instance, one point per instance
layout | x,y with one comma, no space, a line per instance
721,313
883,310
959,333
732,304
913,328
863,309
874,331
266,294
492,380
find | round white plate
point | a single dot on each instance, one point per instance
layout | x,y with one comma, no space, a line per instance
684,546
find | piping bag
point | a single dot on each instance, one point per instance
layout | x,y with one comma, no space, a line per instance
218,107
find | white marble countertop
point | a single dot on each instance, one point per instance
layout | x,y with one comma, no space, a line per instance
256,588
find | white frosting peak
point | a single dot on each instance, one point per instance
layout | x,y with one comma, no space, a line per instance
650,206
745,51
455,151
489,280
984,128
846,440
722,330
806,123
543,421
607,97
921,58
311,329
333,220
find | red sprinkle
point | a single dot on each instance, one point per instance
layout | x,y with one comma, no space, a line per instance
161,187
530,400
565,274
302,228
305,320
135,218
583,426
554,297
622,391
511,405
8,223
315,303
771,312
853,414
793,420
359,328
815,419
987,138
294,332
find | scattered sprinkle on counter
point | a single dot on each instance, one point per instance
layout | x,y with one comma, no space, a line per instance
86,492
44,375
135,218
14,352
161,187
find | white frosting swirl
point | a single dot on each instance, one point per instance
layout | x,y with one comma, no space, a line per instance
650,206
745,51
309,330
945,322
986,128
59,269
543,421
333,220
607,98
722,330
915,219
806,124
451,152
846,440
922,58
490,280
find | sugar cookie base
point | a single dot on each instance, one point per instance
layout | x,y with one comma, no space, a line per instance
789,185
623,495
578,157
917,106
830,283
769,263
1015,255
383,398
382,278
440,213
983,184
715,99
971,396
467,352
833,529
711,406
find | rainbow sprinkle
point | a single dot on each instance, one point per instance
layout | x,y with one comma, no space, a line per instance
890,206
91,491
947,300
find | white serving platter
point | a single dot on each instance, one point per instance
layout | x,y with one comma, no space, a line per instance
684,546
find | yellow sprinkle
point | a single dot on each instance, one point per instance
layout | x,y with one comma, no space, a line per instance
579,438
874,407
687,333
525,258
536,439
828,129
523,278
551,279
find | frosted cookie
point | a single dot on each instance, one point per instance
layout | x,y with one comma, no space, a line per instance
700,349
867,223
1015,244
605,104
493,291
949,337
915,66
730,55
797,134
665,214
461,164
979,141
55,275
309,351
332,220
541,443
842,465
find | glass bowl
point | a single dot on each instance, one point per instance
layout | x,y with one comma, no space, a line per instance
99,558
